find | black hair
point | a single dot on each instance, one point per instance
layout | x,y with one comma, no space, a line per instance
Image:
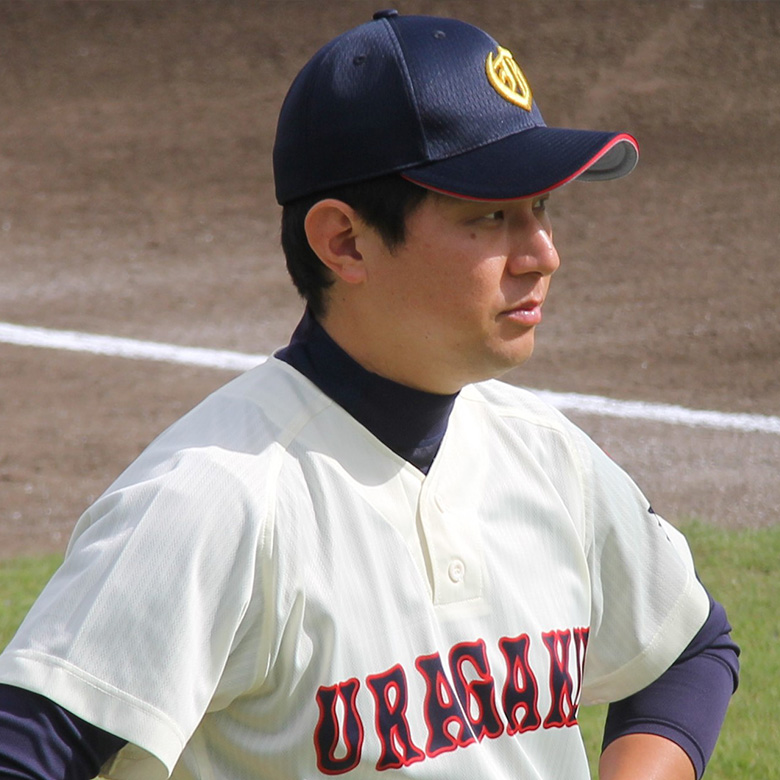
383,203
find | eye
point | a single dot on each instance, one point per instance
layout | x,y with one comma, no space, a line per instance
540,204
494,216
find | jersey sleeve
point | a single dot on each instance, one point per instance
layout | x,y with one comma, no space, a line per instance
647,603
144,626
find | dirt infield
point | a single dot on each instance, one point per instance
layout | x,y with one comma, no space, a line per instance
136,200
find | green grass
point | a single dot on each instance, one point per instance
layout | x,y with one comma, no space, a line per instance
21,580
739,568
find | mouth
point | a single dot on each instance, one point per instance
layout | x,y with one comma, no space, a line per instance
528,313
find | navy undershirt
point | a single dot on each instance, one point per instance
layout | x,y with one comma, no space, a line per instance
39,740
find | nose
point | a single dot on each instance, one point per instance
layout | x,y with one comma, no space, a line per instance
532,249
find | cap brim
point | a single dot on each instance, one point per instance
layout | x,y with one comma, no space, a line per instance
530,163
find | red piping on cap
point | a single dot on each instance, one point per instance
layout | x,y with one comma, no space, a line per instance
620,138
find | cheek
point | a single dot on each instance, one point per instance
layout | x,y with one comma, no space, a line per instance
444,281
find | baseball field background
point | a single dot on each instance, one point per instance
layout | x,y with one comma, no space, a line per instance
136,201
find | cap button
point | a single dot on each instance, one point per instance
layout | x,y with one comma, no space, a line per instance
386,14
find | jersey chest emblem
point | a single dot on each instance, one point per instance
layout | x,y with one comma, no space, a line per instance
507,79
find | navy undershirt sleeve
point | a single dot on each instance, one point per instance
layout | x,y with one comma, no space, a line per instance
39,740
686,704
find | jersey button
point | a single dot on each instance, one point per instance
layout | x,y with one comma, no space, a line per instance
456,570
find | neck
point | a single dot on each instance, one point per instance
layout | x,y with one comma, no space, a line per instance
409,421
381,350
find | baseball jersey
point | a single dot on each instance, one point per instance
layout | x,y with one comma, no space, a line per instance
270,592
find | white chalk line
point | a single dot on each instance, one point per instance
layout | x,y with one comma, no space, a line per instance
73,341
23,335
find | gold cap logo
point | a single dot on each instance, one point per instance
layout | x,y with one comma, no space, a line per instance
507,78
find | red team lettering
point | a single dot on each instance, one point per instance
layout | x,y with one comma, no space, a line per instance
331,734
456,713
389,690
521,692
477,696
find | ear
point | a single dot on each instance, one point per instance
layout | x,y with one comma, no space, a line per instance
331,229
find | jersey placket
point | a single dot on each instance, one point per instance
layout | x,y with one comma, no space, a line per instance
448,521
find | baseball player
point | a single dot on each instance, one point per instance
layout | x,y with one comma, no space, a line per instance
369,554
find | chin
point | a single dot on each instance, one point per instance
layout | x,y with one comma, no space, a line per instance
518,353
503,364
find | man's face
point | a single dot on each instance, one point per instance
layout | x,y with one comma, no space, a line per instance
460,299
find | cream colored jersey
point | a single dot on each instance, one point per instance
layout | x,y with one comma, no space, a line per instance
270,593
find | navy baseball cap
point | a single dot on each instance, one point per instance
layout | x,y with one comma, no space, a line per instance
438,101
